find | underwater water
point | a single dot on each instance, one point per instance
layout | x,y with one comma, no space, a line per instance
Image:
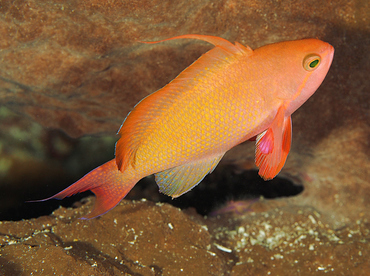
69,74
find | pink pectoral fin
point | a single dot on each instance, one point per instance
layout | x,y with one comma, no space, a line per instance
265,142
273,146
106,182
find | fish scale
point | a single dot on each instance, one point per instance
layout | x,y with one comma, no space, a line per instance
189,123
229,95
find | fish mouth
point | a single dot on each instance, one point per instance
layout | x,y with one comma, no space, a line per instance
327,54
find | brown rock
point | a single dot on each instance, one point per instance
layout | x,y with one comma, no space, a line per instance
136,238
144,238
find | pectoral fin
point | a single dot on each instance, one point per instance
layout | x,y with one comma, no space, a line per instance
178,180
273,145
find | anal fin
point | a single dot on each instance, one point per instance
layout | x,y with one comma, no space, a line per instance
179,180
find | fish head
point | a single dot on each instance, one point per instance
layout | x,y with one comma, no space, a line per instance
313,63
301,67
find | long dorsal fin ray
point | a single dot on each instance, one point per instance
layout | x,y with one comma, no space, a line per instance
178,180
216,41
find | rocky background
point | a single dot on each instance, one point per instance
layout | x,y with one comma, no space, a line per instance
70,71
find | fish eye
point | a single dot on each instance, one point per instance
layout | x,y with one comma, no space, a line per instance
311,62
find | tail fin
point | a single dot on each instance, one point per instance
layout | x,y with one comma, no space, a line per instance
106,182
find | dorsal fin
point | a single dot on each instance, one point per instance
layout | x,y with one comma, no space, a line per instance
216,41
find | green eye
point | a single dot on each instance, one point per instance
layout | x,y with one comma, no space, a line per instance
311,62
314,63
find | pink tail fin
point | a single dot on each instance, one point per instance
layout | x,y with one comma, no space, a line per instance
106,182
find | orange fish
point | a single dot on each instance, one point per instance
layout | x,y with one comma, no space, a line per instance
229,95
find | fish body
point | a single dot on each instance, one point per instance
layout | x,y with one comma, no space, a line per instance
229,95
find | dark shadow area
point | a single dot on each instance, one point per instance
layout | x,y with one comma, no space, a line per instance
224,184
227,183
86,252
7,267
27,210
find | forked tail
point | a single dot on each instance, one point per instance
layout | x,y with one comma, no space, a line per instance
108,184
